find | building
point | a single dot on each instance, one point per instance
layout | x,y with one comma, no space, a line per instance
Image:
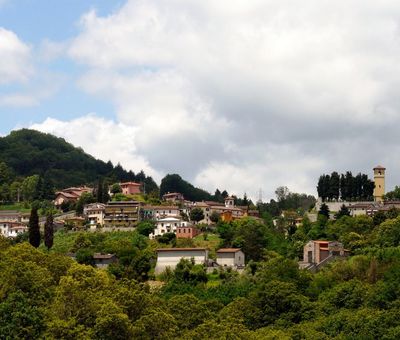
10,216
104,260
173,197
170,257
230,257
70,195
155,212
95,214
379,180
130,188
12,229
187,232
121,214
168,225
318,253
364,208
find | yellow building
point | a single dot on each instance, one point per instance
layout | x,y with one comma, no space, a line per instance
379,180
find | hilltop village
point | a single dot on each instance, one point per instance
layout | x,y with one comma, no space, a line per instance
118,256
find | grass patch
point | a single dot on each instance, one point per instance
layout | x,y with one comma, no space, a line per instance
22,207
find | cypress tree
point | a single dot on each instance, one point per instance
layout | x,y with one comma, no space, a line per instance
106,196
324,210
99,193
33,228
49,231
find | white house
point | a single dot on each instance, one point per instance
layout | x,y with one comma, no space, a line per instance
170,257
230,257
12,229
168,225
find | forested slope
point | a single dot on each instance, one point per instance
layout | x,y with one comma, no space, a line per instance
30,152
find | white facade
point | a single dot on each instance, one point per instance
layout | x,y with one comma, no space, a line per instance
230,258
170,257
10,229
168,225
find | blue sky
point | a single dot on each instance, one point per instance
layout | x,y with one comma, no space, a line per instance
239,95
36,21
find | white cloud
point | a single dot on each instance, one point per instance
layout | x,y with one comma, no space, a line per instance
250,94
103,139
15,56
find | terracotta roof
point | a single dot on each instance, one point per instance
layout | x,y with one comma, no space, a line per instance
228,250
181,249
130,183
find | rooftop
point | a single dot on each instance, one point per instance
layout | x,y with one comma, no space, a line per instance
180,249
228,250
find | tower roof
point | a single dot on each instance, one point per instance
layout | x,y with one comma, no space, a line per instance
379,167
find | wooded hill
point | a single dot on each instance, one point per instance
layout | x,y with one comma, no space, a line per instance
30,152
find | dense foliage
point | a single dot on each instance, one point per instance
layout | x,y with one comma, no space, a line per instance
345,186
286,200
29,152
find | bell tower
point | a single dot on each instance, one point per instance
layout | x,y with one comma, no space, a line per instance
379,180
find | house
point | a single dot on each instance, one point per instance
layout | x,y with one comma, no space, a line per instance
17,229
168,225
318,253
95,214
173,197
130,188
121,214
156,212
10,216
12,229
70,195
170,257
104,260
187,232
230,257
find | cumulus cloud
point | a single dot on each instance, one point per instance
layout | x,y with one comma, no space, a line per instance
104,139
250,94
15,58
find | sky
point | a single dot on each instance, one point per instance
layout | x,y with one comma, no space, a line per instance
237,95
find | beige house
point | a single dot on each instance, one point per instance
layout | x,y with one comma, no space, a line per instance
170,257
95,214
230,257
70,195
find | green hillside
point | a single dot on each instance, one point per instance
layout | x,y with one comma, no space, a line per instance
30,152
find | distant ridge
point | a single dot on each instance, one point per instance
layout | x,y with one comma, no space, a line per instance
30,152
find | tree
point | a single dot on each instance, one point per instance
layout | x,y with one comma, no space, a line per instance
251,236
145,228
33,228
196,214
334,186
116,188
344,211
324,210
28,187
99,191
214,217
49,231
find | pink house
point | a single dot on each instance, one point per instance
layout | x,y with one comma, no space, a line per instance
130,188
